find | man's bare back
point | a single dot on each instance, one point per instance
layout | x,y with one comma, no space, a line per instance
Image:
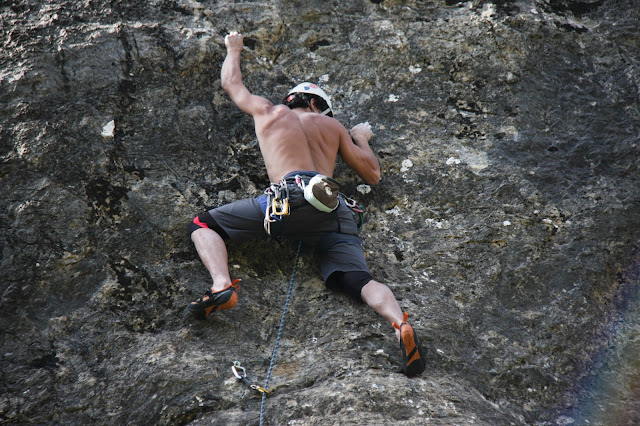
300,138
293,140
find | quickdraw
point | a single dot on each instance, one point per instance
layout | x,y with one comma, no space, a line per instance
352,204
241,374
277,204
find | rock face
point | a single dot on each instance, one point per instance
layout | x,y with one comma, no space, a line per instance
506,221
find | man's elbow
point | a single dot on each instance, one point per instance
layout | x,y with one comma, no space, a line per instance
373,178
229,82
226,84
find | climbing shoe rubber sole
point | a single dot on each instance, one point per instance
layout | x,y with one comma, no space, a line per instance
211,302
413,362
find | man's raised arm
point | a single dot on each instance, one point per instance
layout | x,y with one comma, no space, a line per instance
231,78
355,151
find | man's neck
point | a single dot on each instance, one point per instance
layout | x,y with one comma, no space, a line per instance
301,111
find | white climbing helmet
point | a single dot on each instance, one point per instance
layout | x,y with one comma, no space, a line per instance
311,88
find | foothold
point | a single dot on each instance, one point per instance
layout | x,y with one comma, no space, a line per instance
109,129
406,165
364,189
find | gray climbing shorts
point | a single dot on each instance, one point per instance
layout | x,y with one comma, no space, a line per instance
333,235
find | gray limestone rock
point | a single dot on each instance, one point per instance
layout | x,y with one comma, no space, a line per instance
506,221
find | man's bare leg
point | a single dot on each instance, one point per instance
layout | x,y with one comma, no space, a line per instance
213,253
381,299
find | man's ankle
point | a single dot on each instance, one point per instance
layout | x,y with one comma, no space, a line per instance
220,284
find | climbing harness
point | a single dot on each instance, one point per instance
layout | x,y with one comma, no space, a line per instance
322,192
240,372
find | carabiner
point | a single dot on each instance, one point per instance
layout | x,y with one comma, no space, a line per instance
236,367
259,389
350,202
300,182
280,207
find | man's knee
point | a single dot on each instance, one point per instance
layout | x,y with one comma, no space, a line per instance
376,294
350,282
206,221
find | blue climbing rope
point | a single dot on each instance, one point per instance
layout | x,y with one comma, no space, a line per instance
275,348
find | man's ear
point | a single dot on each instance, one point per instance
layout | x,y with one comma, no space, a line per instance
313,107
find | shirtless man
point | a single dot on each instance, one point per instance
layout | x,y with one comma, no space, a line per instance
298,140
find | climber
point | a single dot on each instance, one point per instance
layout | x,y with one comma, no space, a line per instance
300,142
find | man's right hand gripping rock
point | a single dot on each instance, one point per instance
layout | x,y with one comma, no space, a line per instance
361,132
234,41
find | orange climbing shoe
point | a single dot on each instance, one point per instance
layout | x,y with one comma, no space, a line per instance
211,302
412,360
